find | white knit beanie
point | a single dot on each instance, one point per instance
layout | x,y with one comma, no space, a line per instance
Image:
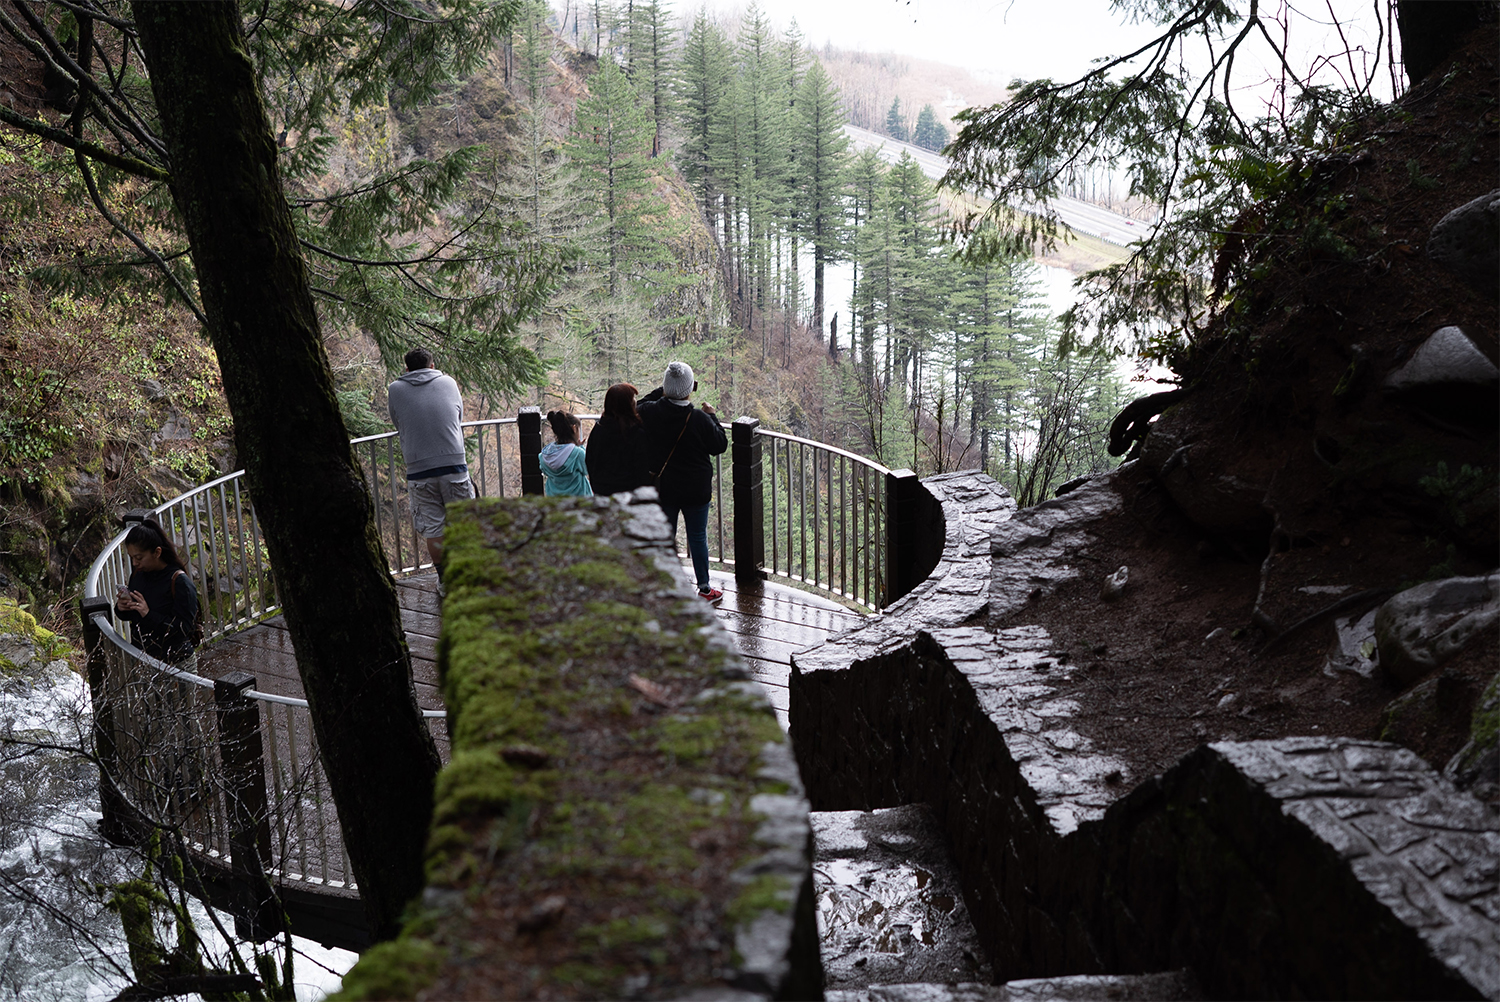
677,381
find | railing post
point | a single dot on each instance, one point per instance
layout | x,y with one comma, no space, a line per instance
118,822
258,913
901,513
529,425
749,500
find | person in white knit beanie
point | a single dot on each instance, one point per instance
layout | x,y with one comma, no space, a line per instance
681,441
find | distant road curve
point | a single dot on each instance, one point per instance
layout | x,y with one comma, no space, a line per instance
1111,227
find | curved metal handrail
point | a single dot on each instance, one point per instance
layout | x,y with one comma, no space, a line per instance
824,520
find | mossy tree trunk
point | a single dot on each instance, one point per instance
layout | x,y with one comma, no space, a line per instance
339,601
1431,31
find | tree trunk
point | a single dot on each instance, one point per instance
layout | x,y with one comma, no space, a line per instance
311,498
1431,31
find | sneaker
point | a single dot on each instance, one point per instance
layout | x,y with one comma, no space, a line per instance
711,596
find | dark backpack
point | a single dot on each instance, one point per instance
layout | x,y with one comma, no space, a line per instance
194,632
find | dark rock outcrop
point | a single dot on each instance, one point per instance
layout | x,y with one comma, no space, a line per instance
1308,867
1467,242
1422,627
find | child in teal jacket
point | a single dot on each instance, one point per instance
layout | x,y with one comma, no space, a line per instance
564,462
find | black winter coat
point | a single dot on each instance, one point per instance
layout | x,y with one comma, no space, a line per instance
166,631
688,479
617,457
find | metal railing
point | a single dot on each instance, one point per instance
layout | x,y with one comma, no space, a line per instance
237,770
164,720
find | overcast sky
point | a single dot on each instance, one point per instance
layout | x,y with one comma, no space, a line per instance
1004,39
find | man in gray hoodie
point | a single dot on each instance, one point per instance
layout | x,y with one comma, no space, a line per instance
426,409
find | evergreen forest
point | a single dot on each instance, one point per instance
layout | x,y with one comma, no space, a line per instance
931,363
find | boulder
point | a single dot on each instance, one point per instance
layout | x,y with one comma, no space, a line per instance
1450,378
1199,480
1476,767
1447,357
1467,242
1422,627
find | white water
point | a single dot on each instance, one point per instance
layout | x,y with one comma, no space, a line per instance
57,941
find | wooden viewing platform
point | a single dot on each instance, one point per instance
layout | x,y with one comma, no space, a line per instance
227,755
769,622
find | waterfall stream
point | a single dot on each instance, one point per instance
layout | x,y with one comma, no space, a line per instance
57,938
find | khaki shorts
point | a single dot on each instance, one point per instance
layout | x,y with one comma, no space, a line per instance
428,498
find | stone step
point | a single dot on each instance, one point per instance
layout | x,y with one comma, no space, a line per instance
890,907
1167,986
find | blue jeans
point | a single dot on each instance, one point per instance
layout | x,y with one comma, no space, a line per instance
695,518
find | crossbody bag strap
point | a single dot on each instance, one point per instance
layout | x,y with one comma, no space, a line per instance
664,462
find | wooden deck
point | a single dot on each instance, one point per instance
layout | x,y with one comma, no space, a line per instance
769,622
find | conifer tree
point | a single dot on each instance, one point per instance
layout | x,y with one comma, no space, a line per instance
649,45
866,206
914,271
766,111
701,99
822,176
537,186
929,133
895,122
611,146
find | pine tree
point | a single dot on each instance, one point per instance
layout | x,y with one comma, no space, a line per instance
986,368
872,247
822,174
701,99
611,146
537,186
649,46
915,269
929,133
766,134
895,122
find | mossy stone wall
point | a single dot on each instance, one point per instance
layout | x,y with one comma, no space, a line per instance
621,817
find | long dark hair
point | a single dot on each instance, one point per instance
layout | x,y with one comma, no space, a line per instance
619,405
565,426
147,534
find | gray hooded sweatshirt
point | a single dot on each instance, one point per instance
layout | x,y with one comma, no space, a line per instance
426,409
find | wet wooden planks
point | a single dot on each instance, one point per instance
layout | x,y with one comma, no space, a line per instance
769,622
265,650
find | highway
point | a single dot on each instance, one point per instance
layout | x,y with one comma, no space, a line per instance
1111,227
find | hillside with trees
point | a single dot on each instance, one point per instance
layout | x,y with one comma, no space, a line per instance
557,199
717,190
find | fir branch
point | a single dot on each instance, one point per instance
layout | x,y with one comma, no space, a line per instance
88,180
69,68
40,129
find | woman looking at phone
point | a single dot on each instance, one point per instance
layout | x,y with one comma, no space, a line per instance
161,600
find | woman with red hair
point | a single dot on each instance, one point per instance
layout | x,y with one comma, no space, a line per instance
615,451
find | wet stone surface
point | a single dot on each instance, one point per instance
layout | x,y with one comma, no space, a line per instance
1306,847
1169,986
890,907
1015,678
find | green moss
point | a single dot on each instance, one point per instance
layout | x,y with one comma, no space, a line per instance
768,892
599,574
394,970
564,778
592,978
634,930
1485,729
14,619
